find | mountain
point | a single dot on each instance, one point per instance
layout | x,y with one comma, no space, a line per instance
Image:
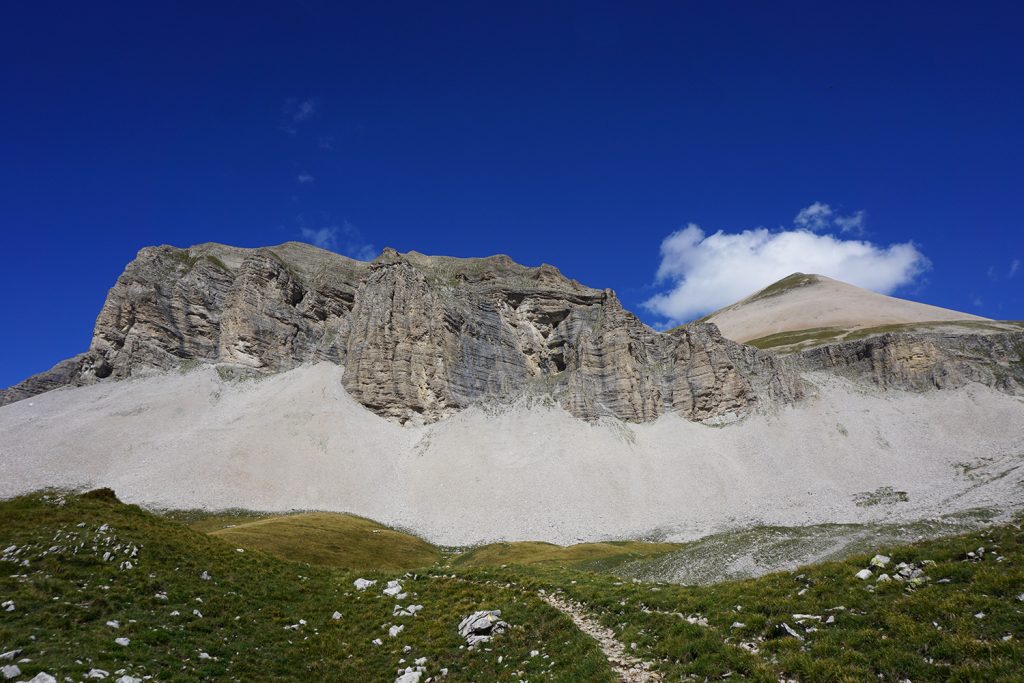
420,337
479,399
817,309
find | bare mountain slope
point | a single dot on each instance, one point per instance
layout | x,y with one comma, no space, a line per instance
820,304
522,471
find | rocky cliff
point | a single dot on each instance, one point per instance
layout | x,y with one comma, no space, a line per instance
920,362
419,336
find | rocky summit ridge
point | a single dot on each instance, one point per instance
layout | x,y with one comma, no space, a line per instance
421,337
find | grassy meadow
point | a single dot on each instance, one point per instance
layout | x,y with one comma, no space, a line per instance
242,597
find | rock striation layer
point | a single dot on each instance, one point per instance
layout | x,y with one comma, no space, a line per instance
920,362
419,336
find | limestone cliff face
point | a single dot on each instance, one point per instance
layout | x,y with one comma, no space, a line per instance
919,362
419,336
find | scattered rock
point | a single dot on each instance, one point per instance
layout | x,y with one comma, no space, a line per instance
42,677
205,576
123,642
863,574
409,611
480,627
880,561
784,630
363,584
97,673
393,588
10,671
409,676
336,616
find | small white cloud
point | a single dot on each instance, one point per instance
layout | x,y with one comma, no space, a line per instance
305,177
342,239
707,272
297,112
300,111
820,217
325,238
1014,268
815,217
853,224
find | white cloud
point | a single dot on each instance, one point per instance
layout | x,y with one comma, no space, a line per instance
853,223
305,177
815,217
300,110
1014,268
820,217
342,239
706,272
325,238
296,112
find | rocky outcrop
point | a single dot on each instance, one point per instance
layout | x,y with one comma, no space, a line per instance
919,362
419,336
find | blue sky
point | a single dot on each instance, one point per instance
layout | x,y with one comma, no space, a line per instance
612,141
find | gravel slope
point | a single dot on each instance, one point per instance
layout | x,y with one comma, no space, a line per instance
298,441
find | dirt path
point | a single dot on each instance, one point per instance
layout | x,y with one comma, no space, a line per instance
630,669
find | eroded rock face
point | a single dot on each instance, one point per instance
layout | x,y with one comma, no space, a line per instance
920,362
420,337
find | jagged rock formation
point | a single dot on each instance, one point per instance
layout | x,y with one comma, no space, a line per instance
419,336
919,362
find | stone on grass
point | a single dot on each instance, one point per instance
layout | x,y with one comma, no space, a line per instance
123,642
363,584
880,561
395,630
336,616
97,673
394,588
480,627
9,656
863,574
42,677
128,679
409,676
784,630
10,671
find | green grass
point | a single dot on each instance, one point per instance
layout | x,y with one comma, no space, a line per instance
798,340
586,556
815,335
784,285
881,631
331,539
65,596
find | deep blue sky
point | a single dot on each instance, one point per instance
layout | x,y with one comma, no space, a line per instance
579,134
